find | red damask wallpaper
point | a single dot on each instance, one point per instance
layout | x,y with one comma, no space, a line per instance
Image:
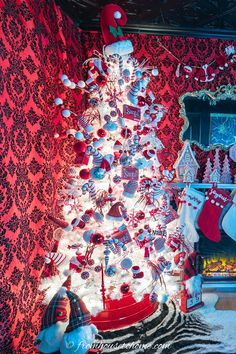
37,44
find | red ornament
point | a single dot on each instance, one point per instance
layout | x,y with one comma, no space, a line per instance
126,133
148,101
84,173
140,215
80,146
141,101
97,239
124,288
89,212
101,80
91,262
116,155
153,116
101,133
145,130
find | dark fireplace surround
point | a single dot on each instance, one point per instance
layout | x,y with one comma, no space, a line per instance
218,258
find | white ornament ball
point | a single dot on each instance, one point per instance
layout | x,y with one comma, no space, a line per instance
58,101
81,84
117,15
155,72
67,82
89,128
56,135
79,136
63,77
87,235
47,260
72,85
65,113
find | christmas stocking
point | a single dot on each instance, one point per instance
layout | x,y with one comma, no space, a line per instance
208,220
191,202
229,221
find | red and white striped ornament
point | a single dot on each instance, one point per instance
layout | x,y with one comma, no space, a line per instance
55,258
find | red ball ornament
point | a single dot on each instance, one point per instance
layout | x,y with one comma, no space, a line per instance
141,101
89,212
145,130
116,155
84,173
80,146
101,133
153,115
126,133
124,288
149,101
140,215
91,262
101,80
81,224
97,239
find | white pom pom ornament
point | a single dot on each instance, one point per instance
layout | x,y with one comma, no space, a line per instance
117,15
58,101
81,84
155,72
66,113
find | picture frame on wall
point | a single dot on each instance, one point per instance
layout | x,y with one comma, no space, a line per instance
222,129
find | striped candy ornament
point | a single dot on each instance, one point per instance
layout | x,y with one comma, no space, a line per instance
84,123
118,57
157,269
99,91
97,156
134,146
145,185
136,88
135,65
54,257
89,187
111,245
106,257
156,190
162,263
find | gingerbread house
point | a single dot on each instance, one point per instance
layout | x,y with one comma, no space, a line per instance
186,162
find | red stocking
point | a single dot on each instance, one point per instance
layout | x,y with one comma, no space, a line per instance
208,220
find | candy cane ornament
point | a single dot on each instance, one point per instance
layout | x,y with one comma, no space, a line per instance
138,87
84,123
119,58
55,258
89,187
157,190
135,65
97,156
134,146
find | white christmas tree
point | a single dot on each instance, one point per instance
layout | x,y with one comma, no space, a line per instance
207,172
216,164
226,176
115,203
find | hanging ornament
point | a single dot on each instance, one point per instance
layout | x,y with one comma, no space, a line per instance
126,263
97,239
84,173
124,288
205,74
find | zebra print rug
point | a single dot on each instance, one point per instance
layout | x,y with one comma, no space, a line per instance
167,331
